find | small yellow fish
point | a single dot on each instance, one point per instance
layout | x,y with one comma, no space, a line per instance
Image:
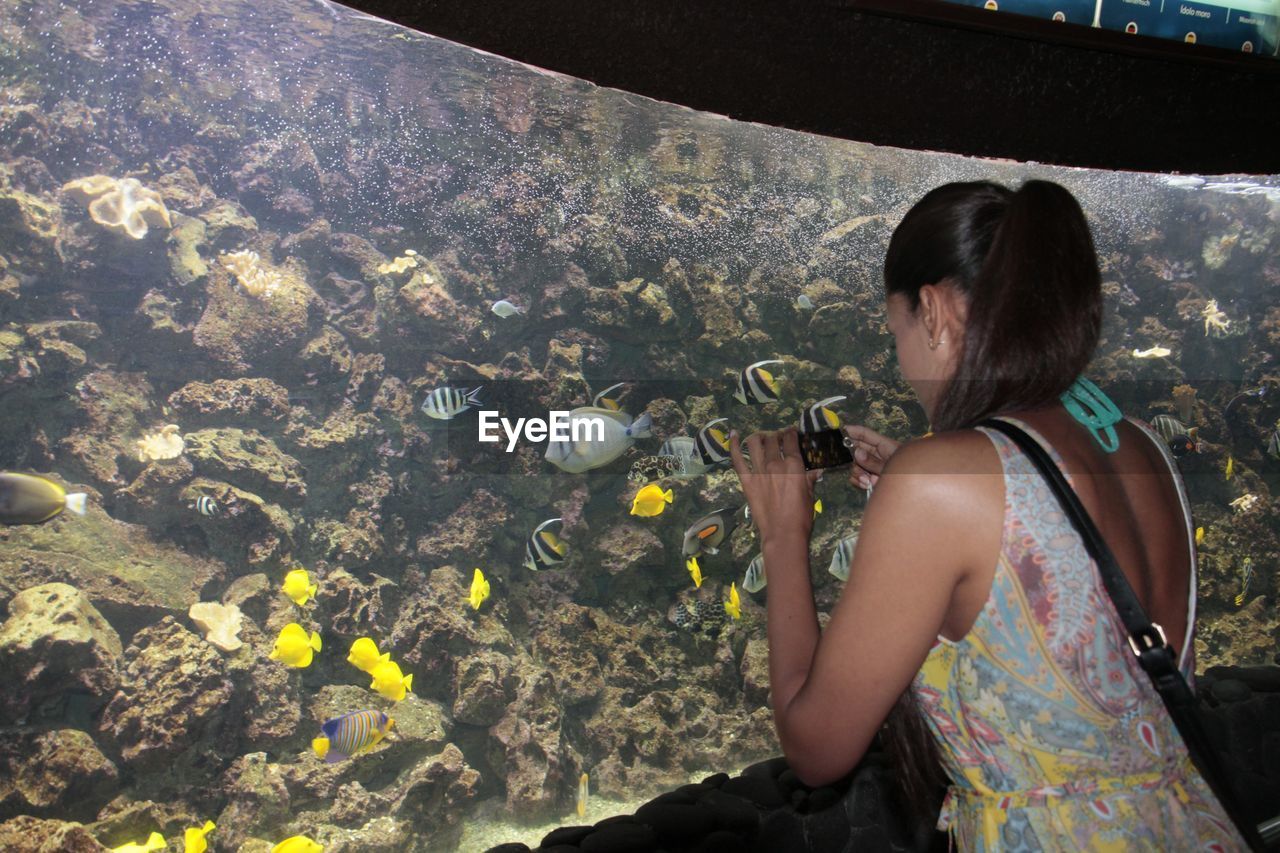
650,501
1199,535
390,682
734,605
293,647
155,841
479,590
692,565
298,844
1231,466
817,507
193,838
583,786
364,655
298,586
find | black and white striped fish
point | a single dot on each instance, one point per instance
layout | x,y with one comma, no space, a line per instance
544,549
754,580
206,505
1168,427
712,443
445,403
756,385
819,416
843,557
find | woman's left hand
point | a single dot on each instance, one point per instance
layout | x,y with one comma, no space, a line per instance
776,484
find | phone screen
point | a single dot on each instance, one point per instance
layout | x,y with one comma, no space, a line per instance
824,449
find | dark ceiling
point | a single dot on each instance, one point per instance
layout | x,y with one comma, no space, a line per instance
915,74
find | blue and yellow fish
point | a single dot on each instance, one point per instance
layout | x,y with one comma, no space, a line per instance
351,734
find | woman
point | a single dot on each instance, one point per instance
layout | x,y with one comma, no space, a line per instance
970,594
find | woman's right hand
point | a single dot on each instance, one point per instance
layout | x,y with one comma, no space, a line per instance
871,451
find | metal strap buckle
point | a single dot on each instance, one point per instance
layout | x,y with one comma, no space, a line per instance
1146,639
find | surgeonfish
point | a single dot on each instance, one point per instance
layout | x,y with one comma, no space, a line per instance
297,844
695,571
1199,535
583,785
604,401
479,590
389,682
351,734
298,586
206,505
293,647
364,655
842,559
734,605
32,499
1168,427
1231,466
713,444
756,385
155,841
650,501
596,445
505,309
819,416
193,838
1246,575
708,533
754,580
544,549
445,403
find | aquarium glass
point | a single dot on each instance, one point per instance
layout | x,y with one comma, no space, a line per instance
255,261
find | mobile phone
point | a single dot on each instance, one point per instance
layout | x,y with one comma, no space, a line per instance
826,448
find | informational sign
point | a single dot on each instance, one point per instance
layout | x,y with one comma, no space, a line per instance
1248,26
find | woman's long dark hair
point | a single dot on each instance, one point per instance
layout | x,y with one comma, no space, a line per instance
1026,265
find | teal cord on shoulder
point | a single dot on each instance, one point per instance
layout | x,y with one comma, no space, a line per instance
1094,410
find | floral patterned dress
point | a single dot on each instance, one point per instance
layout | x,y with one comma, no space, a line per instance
1051,731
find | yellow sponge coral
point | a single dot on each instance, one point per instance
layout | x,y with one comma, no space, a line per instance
122,205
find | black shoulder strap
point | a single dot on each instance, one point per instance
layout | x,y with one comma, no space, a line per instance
1145,638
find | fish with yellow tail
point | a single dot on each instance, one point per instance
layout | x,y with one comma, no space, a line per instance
30,499
298,844
734,605
606,399
155,841
479,590
298,586
695,571
364,655
1246,575
293,647
350,735
544,548
389,682
650,501
583,785
193,840
820,416
756,385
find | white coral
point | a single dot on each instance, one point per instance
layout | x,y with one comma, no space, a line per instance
219,622
124,206
258,280
1244,503
1215,319
165,444
407,261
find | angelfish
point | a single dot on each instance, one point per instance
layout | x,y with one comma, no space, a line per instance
351,734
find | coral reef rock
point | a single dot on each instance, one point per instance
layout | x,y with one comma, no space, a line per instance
47,773
33,835
122,205
55,645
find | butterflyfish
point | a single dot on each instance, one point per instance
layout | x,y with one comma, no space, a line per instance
544,549
695,571
1246,575
479,590
297,844
445,403
351,734
155,841
293,647
298,586
734,605
756,385
364,655
842,559
650,501
595,437
754,580
583,785
820,416
389,682
713,443
193,838
31,499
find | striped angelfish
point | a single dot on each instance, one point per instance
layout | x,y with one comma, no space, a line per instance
843,557
819,416
712,443
351,734
206,505
1168,427
757,385
445,403
544,549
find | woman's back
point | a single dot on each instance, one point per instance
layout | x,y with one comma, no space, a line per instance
1051,731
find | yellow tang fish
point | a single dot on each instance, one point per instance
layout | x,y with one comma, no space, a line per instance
583,790
650,501
817,507
193,838
298,586
1231,466
364,655
1199,535
155,841
297,844
293,647
695,571
390,682
479,590
734,605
